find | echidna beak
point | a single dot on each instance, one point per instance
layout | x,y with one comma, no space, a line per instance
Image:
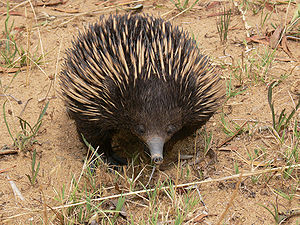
156,147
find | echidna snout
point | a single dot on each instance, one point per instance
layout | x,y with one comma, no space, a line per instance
154,129
156,146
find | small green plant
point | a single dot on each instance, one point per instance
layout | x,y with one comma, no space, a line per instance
184,5
274,214
236,168
288,196
227,128
230,91
10,50
12,54
266,60
254,66
28,132
185,205
34,170
280,123
207,137
223,25
264,18
153,204
61,196
292,28
119,206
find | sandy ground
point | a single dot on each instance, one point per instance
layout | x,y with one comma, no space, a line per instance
61,153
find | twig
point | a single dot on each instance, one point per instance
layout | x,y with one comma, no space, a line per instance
243,13
231,200
12,9
11,70
151,175
56,67
38,31
7,169
104,9
21,113
51,3
7,152
12,13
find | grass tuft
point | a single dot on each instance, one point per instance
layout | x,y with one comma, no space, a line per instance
280,123
28,132
34,170
223,25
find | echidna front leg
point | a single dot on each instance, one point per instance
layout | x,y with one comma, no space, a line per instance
101,141
111,156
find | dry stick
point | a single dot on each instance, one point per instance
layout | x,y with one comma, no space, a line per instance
231,199
99,10
21,113
12,13
151,175
165,14
39,33
235,134
56,67
183,11
44,205
243,13
195,149
177,173
51,3
38,66
23,3
164,188
28,29
7,152
7,169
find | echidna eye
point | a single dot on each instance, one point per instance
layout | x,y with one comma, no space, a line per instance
140,129
171,129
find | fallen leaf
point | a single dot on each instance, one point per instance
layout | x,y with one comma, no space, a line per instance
269,6
275,37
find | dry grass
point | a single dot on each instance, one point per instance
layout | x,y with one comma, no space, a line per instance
258,152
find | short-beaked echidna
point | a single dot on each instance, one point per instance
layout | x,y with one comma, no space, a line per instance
138,73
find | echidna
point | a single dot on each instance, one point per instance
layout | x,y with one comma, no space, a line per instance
138,73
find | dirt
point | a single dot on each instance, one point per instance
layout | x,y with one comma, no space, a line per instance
61,154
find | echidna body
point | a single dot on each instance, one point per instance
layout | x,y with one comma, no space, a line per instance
138,73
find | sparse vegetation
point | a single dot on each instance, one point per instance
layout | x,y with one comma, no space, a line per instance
183,5
256,135
28,132
12,53
275,214
34,170
280,123
223,25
